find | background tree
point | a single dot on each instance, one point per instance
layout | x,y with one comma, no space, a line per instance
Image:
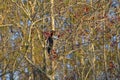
86,39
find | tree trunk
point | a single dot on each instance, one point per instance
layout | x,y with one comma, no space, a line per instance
52,15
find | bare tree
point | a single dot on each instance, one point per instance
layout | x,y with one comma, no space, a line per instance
86,39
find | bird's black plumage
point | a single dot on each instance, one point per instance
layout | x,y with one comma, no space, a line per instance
49,43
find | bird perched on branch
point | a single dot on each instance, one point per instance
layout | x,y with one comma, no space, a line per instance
50,42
